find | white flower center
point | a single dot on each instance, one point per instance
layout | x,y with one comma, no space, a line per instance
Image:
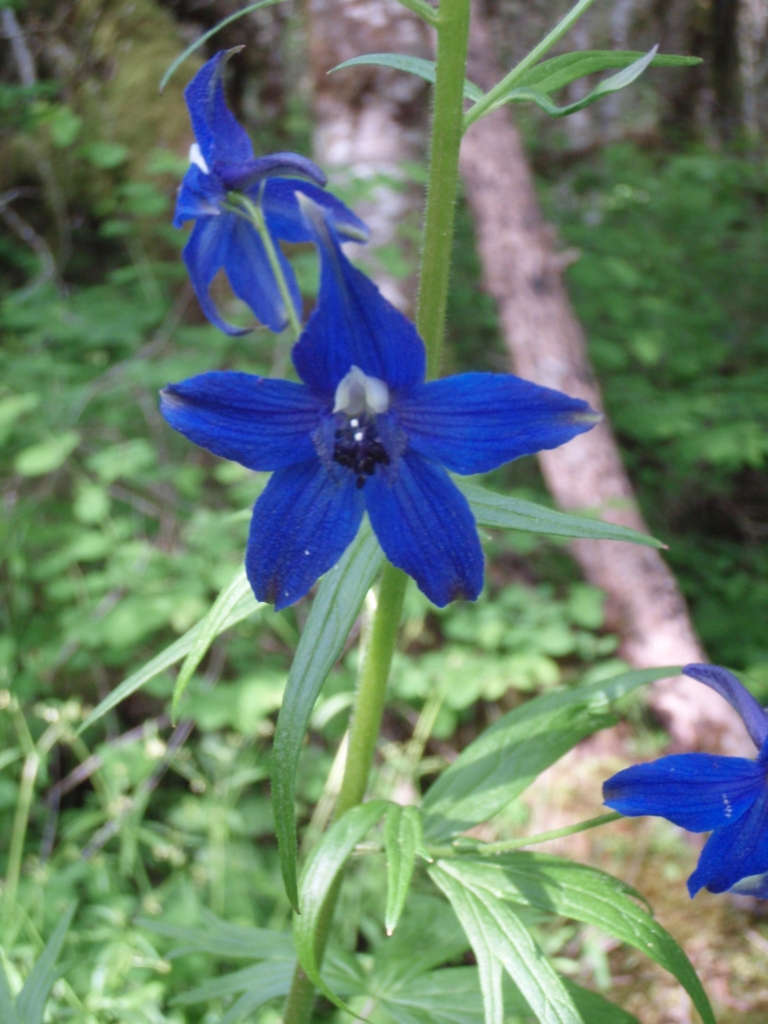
358,394
197,158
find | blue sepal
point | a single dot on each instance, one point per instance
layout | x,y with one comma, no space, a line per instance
354,325
261,423
218,133
725,683
474,422
736,853
426,528
699,792
301,526
242,176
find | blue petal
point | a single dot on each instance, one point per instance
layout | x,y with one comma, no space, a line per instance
301,525
734,853
699,792
199,196
242,176
737,695
425,527
216,129
475,422
287,220
251,276
262,424
354,325
204,256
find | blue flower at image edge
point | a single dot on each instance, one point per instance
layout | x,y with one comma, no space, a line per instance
365,433
707,792
222,167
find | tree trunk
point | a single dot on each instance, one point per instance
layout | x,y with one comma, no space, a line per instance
546,343
370,122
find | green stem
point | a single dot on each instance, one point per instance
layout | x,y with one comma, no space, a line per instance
488,849
492,98
256,217
453,32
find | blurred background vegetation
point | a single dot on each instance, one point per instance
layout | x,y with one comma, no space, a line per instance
116,534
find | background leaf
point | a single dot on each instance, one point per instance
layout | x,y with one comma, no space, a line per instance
244,607
334,610
415,65
31,1001
505,512
506,758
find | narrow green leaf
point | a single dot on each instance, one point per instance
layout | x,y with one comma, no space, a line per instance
504,512
318,878
34,995
609,85
402,841
415,65
210,627
203,39
554,74
7,1009
498,937
170,656
278,983
585,894
334,610
506,758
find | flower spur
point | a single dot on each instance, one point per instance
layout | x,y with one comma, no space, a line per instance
707,792
226,191
364,432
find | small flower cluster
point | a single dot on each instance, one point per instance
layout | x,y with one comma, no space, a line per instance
363,433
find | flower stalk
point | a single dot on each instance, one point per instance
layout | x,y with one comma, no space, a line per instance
453,33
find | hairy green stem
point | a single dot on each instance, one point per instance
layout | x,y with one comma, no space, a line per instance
496,94
256,217
453,31
452,35
488,849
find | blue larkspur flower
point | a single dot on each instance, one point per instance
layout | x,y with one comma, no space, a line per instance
364,432
708,792
222,169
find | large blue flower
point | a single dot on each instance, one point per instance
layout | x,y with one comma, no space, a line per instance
365,433
708,792
223,169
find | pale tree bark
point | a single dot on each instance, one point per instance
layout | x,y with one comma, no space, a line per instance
524,274
371,121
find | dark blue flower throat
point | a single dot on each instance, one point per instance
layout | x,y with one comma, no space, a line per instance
358,447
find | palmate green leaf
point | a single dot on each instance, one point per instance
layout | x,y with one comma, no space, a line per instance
30,1004
504,512
415,65
334,610
203,39
554,74
402,841
584,894
319,878
245,606
452,996
500,939
508,756
615,83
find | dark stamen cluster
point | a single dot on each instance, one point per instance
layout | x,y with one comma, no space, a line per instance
357,446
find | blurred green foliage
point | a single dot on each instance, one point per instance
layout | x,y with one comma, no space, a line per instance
672,289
